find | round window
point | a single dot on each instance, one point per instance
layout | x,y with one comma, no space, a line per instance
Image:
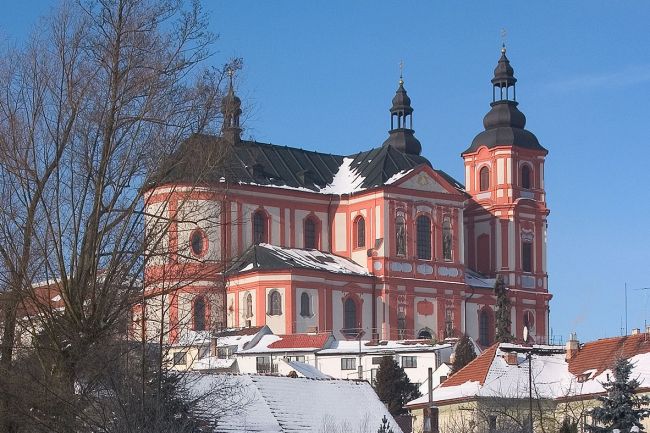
198,242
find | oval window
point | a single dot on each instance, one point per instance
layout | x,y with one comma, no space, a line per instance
198,242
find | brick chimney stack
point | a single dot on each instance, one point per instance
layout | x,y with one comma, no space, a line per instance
572,346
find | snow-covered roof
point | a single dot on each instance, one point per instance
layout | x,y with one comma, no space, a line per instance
213,363
285,404
392,346
270,257
305,370
555,377
289,343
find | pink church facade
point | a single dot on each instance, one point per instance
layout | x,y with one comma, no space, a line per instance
377,244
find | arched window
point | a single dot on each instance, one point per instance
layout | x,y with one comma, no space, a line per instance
484,178
525,177
311,233
350,321
400,236
199,313
360,228
446,239
483,254
198,242
260,231
249,306
485,331
423,228
275,303
305,305
425,334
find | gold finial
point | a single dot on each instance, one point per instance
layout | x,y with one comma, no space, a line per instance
401,70
504,34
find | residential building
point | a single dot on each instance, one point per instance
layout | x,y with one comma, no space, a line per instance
492,393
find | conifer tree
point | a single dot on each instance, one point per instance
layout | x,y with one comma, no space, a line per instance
385,426
568,426
620,409
393,386
502,314
464,353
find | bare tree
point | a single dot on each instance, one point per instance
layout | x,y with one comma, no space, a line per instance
89,109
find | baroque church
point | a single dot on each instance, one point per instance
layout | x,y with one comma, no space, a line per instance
374,245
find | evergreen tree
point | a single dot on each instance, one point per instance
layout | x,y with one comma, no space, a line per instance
502,314
393,386
385,426
464,353
568,426
620,409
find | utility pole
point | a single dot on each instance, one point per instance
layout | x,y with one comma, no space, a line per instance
530,391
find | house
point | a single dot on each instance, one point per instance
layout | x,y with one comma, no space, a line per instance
265,404
492,392
378,244
343,358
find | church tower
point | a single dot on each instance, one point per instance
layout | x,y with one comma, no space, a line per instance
505,221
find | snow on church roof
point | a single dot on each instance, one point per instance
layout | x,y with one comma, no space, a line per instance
270,257
265,404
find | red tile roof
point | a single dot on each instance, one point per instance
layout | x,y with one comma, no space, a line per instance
476,370
300,341
601,354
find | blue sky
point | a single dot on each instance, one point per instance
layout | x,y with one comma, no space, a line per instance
321,74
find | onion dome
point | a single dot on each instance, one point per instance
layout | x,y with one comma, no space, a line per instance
401,135
504,124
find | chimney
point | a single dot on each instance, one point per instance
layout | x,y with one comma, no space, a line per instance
636,331
572,346
511,358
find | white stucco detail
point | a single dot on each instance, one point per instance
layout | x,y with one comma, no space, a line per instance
500,171
341,232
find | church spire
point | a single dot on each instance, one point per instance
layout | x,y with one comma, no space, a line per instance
401,134
504,123
231,109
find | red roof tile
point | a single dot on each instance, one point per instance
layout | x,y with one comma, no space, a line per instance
476,370
601,354
300,341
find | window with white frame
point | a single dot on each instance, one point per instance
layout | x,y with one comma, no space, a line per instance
409,361
348,363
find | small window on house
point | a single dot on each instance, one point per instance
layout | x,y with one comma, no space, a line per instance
525,177
275,303
527,256
360,228
348,363
305,305
409,361
300,358
400,236
180,358
311,236
204,352
223,352
248,306
198,243
376,360
484,179
446,240
199,313
263,364
423,227
260,230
